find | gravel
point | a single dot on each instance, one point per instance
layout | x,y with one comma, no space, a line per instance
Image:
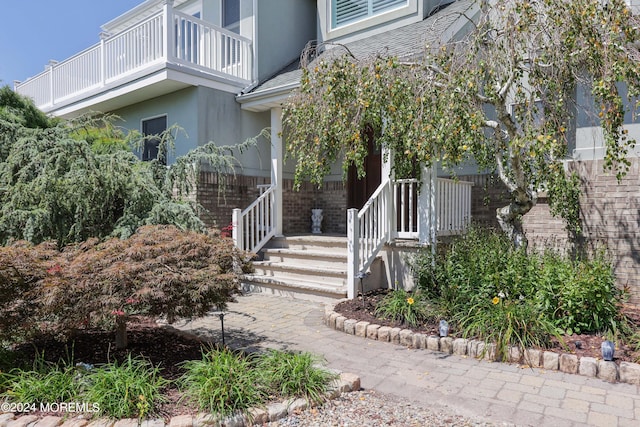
369,408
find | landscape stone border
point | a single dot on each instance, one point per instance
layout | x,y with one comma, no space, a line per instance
626,372
274,411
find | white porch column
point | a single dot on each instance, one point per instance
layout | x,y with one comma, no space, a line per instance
428,206
387,175
276,165
168,36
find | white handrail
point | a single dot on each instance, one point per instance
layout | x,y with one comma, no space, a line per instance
254,226
392,211
367,232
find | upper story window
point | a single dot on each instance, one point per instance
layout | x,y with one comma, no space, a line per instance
347,11
231,15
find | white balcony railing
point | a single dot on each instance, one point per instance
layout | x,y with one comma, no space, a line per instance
168,37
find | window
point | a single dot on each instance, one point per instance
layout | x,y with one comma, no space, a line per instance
231,15
231,22
346,11
153,128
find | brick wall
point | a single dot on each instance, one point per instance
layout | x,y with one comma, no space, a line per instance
487,195
242,190
610,212
239,192
610,215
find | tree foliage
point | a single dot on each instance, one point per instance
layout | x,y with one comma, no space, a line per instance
503,94
79,179
158,271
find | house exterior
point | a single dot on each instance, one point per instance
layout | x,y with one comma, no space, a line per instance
221,69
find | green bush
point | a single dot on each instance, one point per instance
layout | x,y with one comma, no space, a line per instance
537,293
294,374
580,295
410,308
129,389
45,383
507,322
222,382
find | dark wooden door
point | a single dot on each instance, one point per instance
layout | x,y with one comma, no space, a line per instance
359,190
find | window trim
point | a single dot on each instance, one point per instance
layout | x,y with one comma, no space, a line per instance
370,14
236,26
411,11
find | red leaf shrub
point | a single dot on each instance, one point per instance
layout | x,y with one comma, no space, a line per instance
159,271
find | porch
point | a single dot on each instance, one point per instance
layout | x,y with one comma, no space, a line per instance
160,51
401,217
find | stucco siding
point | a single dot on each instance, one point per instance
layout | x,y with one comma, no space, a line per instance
284,28
180,108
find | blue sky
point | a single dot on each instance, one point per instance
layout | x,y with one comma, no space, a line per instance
34,31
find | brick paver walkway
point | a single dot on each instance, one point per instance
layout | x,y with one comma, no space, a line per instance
496,392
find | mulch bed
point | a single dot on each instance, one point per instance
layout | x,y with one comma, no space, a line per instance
582,345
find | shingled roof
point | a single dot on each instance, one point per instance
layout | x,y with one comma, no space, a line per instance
404,42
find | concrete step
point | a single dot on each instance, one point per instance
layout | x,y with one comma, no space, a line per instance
304,257
311,272
310,267
313,242
301,289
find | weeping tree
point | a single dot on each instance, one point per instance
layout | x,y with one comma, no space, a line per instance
74,180
501,94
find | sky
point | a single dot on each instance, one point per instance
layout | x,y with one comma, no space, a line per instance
34,31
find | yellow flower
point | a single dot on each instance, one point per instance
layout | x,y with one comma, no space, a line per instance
141,397
495,300
410,301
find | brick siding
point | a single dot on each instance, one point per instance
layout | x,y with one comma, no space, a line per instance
610,212
610,216
242,190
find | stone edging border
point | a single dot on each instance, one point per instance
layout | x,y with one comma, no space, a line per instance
626,372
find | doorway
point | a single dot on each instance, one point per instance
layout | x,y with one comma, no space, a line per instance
359,190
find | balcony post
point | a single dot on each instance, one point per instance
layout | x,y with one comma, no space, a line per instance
103,58
168,41
52,63
276,166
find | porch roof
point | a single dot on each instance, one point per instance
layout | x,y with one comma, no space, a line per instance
405,42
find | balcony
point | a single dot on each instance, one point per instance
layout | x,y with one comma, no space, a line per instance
159,54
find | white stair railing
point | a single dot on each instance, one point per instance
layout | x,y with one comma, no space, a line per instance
405,194
392,212
254,226
367,232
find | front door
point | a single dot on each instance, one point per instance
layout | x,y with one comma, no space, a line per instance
359,190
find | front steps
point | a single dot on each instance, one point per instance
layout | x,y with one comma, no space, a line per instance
312,267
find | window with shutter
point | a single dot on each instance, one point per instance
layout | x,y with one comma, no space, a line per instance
346,11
